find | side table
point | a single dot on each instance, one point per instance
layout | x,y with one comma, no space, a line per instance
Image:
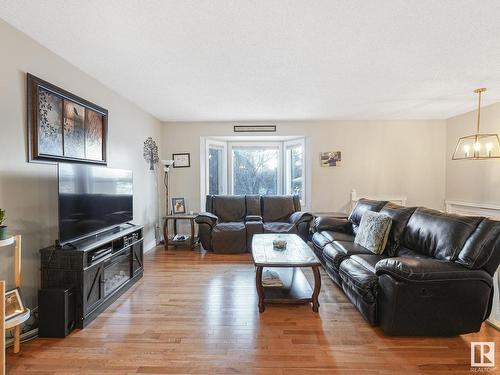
193,240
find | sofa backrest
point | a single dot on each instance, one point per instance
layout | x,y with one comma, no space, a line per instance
361,207
228,208
278,207
439,235
482,249
253,205
400,216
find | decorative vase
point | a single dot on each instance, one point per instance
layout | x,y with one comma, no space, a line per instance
3,232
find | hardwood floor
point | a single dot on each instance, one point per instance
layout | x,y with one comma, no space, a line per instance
196,313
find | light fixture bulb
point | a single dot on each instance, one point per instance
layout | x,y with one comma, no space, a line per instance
489,146
466,148
477,146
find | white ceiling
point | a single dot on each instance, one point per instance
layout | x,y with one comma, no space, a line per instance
276,59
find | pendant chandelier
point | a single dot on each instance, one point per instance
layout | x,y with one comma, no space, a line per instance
478,146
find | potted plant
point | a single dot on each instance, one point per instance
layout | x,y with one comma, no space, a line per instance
3,228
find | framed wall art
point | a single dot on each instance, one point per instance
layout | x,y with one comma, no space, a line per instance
331,159
181,160
63,126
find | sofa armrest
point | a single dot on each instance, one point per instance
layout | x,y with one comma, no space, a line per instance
253,218
418,269
300,217
334,224
207,218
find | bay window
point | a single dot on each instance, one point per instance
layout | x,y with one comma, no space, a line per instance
266,167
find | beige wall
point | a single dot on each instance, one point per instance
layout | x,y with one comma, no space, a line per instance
28,191
389,158
476,181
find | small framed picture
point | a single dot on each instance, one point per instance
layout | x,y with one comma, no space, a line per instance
181,160
13,304
178,206
331,159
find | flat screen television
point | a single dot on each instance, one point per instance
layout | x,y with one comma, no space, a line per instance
92,199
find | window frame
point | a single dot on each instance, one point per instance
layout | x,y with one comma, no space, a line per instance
226,142
256,146
287,163
221,145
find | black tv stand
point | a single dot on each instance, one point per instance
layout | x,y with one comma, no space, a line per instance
99,268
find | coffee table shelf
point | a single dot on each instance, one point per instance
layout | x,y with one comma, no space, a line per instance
295,289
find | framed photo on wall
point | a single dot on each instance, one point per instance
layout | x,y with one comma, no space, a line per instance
13,304
63,126
178,206
331,159
182,160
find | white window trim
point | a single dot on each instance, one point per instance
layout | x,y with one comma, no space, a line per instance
223,147
227,141
254,145
286,162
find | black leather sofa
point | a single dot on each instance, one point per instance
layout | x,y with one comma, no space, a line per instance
434,277
231,220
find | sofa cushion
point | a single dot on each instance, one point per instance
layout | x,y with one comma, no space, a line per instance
473,254
368,260
405,252
362,280
277,208
229,237
373,231
337,251
361,207
279,227
437,234
400,216
229,208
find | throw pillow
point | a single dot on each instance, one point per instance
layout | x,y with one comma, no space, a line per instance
373,231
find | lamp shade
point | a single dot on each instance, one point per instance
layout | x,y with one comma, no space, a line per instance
477,146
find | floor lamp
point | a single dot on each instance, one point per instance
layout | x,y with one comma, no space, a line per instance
166,168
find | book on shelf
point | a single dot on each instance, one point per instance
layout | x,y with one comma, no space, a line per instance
271,278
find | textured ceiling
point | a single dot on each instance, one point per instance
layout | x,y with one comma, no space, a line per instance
276,59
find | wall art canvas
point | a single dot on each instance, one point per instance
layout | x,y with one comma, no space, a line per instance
74,131
50,123
93,134
63,126
331,159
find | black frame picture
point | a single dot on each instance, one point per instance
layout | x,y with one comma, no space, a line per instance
14,305
63,126
175,158
181,202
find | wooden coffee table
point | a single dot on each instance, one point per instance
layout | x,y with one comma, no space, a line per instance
287,263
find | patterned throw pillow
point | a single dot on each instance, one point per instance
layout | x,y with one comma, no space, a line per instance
373,231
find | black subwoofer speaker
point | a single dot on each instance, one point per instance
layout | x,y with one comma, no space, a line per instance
56,312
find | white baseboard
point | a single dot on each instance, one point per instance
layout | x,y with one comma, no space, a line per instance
149,246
